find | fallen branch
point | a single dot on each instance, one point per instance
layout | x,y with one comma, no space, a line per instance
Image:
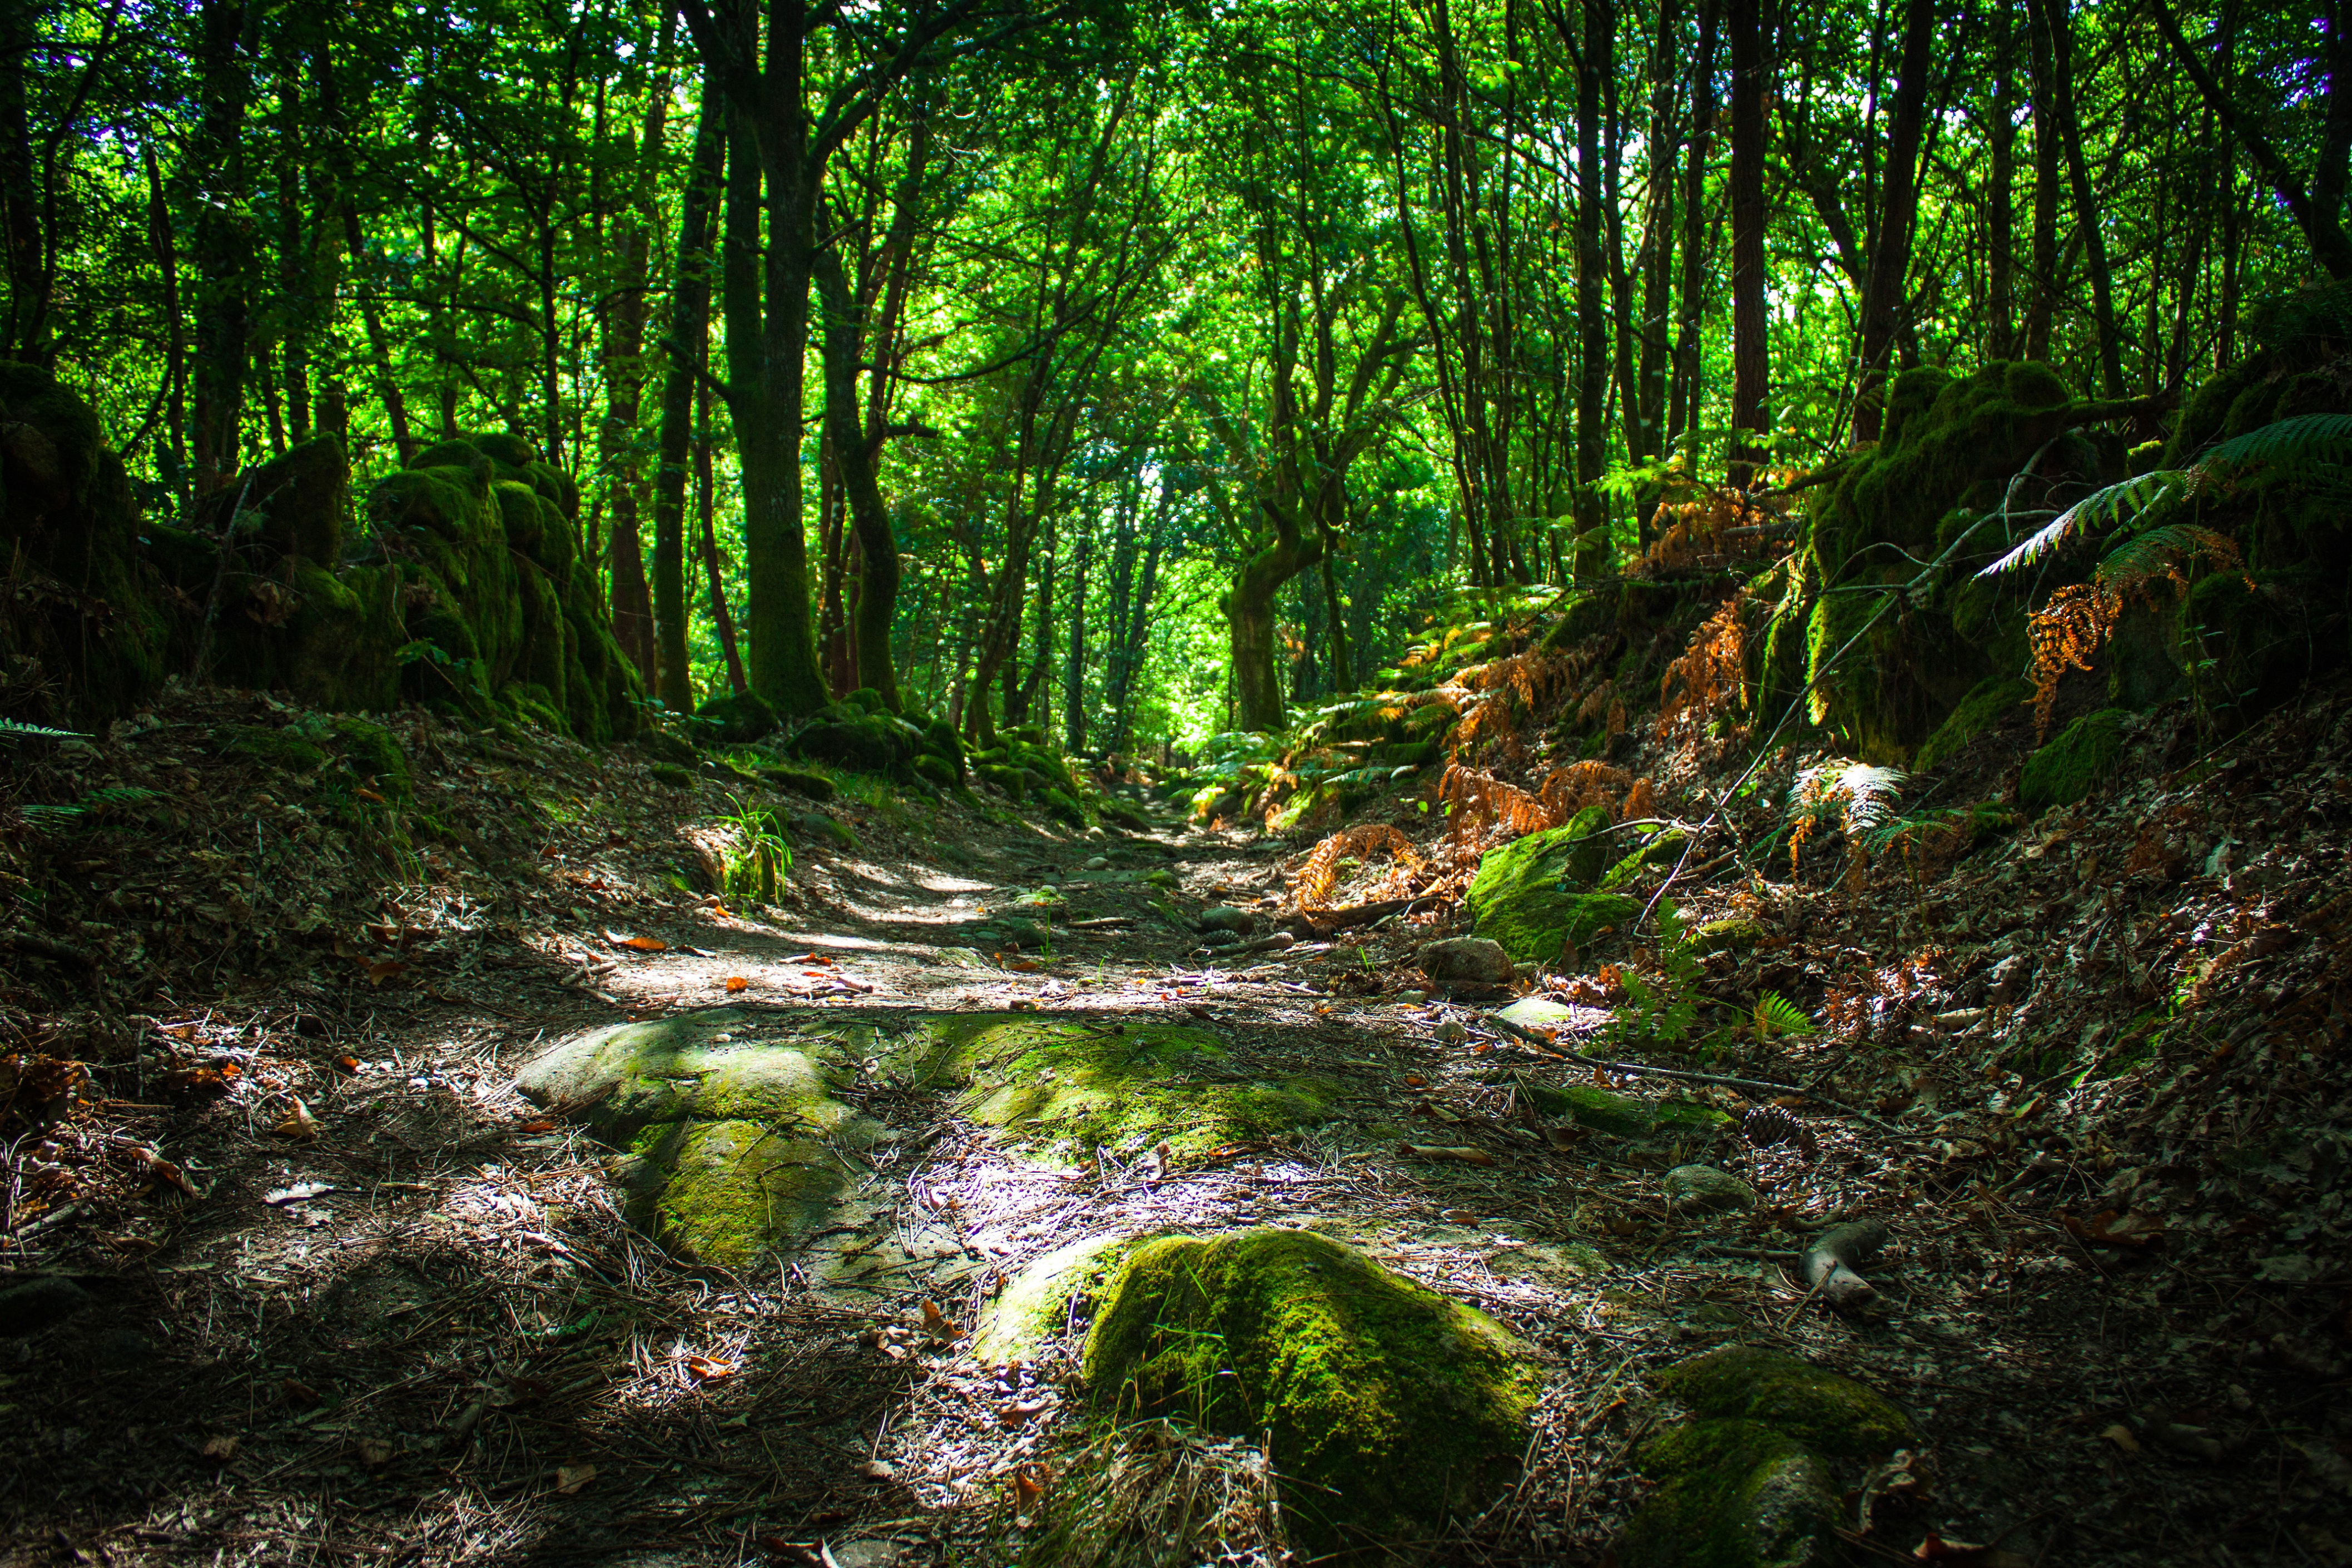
1643,1069
1323,923
1829,1264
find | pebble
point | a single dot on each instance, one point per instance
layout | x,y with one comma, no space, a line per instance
1099,863
1466,960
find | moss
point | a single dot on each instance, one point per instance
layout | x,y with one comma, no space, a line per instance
727,1140
1826,1413
738,719
2252,647
2085,752
937,771
1042,1083
666,746
1033,1309
374,753
1518,902
1979,711
277,749
1395,1411
671,774
1735,1494
1064,807
799,781
1659,847
1621,1114
1726,936
1012,781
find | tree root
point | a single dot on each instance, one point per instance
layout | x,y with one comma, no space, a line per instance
1830,1263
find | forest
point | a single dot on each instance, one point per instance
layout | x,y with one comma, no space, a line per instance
872,782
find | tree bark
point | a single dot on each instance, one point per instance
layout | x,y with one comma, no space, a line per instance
689,337
2046,143
1686,400
723,618
225,248
2001,225
2051,16
1898,208
1752,367
1595,60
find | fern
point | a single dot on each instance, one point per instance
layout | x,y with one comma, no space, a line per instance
1776,1015
2104,507
2162,552
2307,440
17,730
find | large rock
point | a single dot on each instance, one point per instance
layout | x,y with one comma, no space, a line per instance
1749,1482
1466,960
1033,1308
1393,1412
2084,755
1071,1088
1621,1114
1518,898
728,1138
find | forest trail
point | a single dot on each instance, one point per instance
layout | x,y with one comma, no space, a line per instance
423,1331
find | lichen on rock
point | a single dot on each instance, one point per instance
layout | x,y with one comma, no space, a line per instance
1395,1411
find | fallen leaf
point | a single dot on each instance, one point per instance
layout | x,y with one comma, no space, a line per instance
221,1449
937,1324
638,944
1018,1413
1464,1155
1459,1217
570,1478
876,1470
705,1370
299,1392
363,793
299,1122
737,983
538,1124
1025,966
164,1170
1415,1080
1028,1483
373,1451
2122,1438
280,1197
347,1064
384,969
2108,1228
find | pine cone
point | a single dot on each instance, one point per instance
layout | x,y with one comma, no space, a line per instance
1769,1126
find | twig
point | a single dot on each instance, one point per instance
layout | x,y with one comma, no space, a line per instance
1643,1069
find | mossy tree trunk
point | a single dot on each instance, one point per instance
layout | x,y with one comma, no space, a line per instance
687,346
225,244
1752,365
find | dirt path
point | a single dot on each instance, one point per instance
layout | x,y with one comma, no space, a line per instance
425,1335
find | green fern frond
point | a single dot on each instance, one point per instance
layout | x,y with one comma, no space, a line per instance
1776,1015
2307,440
17,729
119,795
2102,510
1869,794
2162,552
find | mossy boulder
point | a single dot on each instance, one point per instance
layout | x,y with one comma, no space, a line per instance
738,719
1048,1085
281,750
846,736
1729,935
1396,1413
1033,1308
2084,755
1732,1494
727,1129
799,781
1658,846
1827,1413
1985,706
1748,1483
1517,898
373,753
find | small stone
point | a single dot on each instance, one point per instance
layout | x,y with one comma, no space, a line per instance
1098,863
1452,1030
1704,1187
1241,922
1412,998
1466,960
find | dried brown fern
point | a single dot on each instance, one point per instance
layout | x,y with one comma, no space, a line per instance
1476,800
1320,876
1641,801
2065,633
1569,790
1709,678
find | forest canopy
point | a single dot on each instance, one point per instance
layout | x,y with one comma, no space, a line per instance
1133,373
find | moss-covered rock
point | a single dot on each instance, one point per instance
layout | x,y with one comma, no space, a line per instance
1729,935
1746,1484
1733,1494
374,753
1518,899
281,749
728,1135
1621,1114
2085,754
1046,1084
1658,846
1396,1412
799,781
1979,711
671,774
1825,1412
1033,1308
738,719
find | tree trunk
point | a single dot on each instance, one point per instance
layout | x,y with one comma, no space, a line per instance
1684,404
1595,62
1898,208
632,599
854,451
1074,684
2051,16
2046,143
723,618
2000,237
689,336
224,244
1752,415
173,451
1249,610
